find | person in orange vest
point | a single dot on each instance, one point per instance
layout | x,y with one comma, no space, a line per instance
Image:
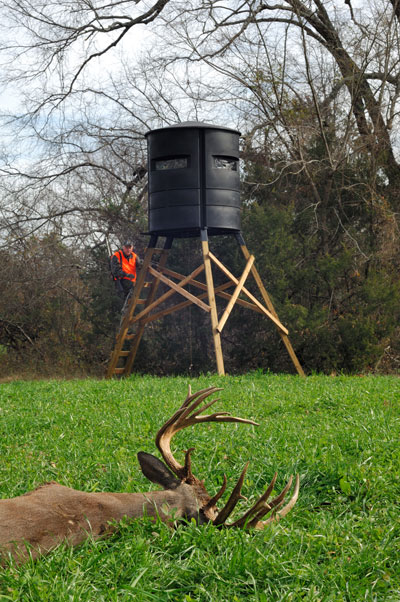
123,269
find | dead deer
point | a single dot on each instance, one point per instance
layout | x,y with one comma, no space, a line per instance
36,522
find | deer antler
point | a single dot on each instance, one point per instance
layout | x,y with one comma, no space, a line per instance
252,517
188,416
184,417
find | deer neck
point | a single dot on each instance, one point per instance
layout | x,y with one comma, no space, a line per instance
169,505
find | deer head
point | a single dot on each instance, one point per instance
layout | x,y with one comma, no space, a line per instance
37,521
190,414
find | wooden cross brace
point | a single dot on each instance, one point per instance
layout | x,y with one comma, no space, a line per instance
164,275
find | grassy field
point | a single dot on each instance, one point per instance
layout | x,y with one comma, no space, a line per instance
341,541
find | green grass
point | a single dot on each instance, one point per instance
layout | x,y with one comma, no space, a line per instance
340,542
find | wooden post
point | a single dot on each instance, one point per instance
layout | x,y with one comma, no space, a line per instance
270,306
212,303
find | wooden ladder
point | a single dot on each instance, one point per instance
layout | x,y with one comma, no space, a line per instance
127,356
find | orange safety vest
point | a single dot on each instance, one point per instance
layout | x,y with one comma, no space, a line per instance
127,265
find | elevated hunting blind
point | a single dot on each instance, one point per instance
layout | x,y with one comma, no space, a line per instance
193,179
193,191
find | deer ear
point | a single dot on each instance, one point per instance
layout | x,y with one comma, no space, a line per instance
154,470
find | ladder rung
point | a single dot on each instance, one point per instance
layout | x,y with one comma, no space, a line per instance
124,353
130,337
119,370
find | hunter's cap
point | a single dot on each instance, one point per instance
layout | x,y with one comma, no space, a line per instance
128,243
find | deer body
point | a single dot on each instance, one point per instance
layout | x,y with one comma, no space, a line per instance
36,522
52,513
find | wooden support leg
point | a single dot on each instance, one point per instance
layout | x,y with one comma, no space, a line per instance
212,303
268,303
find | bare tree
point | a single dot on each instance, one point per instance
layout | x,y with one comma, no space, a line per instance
57,41
364,51
73,159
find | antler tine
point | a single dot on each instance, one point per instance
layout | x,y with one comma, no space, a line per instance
223,417
261,507
193,415
232,501
261,503
183,411
188,460
174,424
187,416
285,510
201,395
216,417
275,503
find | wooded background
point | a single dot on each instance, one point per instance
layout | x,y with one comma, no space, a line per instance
313,86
